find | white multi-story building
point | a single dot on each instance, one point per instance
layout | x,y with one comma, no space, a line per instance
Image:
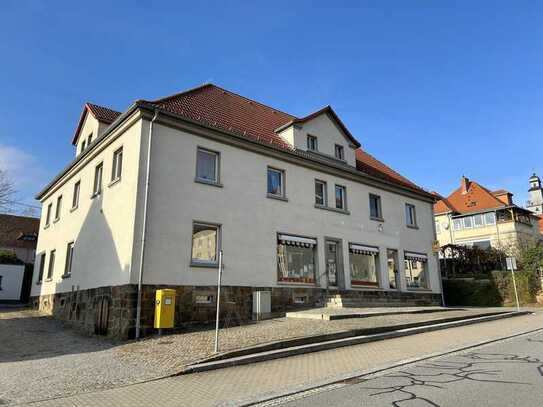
295,205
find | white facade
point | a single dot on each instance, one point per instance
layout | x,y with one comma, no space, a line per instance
11,281
107,229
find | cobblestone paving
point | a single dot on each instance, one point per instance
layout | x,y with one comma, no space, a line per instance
40,358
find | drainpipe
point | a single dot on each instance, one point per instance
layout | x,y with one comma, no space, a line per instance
144,226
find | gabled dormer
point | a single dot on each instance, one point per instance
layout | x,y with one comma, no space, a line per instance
93,122
321,133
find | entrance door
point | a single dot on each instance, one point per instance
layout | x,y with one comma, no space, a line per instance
393,271
332,263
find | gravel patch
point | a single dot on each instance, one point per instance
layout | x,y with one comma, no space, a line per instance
40,358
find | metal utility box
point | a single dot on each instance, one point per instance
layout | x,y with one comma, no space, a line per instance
261,304
164,308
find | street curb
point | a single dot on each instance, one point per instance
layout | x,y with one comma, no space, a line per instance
337,343
339,379
315,339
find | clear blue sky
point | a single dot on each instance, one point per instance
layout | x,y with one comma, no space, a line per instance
435,89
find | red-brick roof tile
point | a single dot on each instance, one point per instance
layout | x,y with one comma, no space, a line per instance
228,111
100,113
476,198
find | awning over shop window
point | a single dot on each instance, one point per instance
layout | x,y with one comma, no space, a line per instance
360,249
297,241
415,256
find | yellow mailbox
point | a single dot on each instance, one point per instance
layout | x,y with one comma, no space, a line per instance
164,308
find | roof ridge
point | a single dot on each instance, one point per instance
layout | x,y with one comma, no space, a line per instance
19,216
224,90
101,107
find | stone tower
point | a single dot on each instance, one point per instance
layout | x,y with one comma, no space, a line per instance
535,202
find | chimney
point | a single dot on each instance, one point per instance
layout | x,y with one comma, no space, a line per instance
464,184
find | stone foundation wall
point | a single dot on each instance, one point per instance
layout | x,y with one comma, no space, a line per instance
112,310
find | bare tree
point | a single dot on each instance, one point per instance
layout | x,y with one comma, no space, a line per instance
7,192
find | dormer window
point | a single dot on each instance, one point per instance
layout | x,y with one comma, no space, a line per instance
312,143
339,152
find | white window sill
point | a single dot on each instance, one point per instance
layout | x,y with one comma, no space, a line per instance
204,265
56,220
114,182
208,182
96,194
328,208
412,226
74,208
377,219
278,197
64,276
47,226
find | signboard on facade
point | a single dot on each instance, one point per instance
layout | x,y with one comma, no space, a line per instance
436,247
511,263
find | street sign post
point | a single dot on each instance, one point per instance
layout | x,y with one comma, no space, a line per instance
512,265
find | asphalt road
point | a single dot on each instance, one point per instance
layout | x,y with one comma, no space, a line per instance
508,373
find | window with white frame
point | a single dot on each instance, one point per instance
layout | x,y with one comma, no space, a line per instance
58,208
364,265
490,218
276,182
97,187
117,165
339,152
457,224
296,259
410,215
89,140
51,267
42,267
375,207
320,193
48,214
75,196
69,258
312,143
205,243
416,270
207,165
341,197
83,145
478,221
438,227
468,222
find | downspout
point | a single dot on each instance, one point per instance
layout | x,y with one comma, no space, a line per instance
144,226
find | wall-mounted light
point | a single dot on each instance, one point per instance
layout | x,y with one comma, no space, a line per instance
380,227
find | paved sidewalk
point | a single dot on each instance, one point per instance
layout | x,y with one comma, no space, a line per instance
233,385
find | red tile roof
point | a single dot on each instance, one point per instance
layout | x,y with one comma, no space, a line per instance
225,110
12,228
367,163
103,114
477,198
100,113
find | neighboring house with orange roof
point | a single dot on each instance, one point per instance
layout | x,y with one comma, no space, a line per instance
295,204
475,216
